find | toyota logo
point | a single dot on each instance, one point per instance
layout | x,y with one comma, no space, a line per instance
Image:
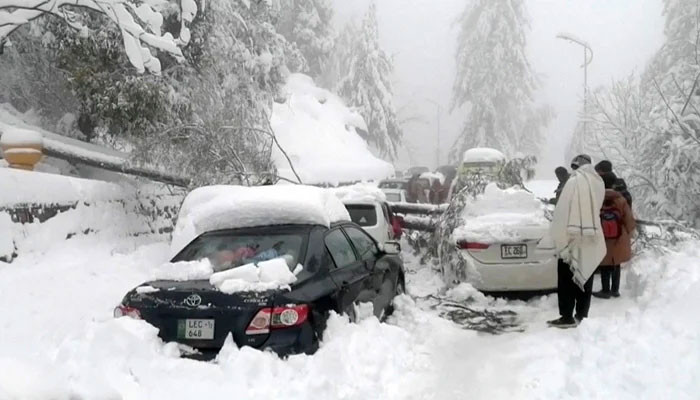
193,300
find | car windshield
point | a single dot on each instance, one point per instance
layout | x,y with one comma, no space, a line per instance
231,250
393,197
363,215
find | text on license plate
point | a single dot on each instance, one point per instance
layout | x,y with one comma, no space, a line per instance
195,329
513,251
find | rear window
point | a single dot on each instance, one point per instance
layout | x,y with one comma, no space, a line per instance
363,215
392,185
231,250
393,197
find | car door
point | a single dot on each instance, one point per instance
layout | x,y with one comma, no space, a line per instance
378,288
349,273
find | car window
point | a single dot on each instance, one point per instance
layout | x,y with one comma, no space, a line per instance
393,197
363,243
340,248
362,214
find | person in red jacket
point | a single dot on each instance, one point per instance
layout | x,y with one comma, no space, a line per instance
618,226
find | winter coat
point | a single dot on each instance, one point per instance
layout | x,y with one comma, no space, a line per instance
620,250
621,186
576,228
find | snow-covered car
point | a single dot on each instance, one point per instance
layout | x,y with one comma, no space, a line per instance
266,267
499,243
368,207
393,184
395,195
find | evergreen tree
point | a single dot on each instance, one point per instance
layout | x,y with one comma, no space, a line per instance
366,83
495,82
307,24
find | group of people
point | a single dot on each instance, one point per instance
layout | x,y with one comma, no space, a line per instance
591,228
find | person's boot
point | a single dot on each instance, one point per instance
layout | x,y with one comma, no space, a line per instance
615,294
563,323
603,294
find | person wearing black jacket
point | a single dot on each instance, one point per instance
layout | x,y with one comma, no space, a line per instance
563,176
605,167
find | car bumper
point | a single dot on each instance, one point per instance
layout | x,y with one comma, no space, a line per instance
541,275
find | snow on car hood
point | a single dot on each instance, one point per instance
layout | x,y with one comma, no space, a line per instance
502,215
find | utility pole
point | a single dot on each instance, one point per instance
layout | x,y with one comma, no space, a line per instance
587,58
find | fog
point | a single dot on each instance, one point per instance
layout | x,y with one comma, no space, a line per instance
421,35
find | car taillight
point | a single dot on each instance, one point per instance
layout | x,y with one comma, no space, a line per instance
472,245
125,311
277,318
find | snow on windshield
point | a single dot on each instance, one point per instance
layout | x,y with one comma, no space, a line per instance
212,208
502,215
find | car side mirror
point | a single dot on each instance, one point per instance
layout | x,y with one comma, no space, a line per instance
393,248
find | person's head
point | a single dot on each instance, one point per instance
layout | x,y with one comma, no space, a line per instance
580,160
603,167
609,179
561,173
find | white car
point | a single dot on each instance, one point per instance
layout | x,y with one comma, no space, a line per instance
374,217
502,235
395,195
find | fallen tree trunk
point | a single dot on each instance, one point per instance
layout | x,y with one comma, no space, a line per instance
418,208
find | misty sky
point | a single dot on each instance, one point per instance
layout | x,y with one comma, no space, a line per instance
421,36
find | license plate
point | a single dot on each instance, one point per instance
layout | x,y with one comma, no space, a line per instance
514,251
201,329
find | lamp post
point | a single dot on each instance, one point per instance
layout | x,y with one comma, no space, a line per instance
587,58
437,150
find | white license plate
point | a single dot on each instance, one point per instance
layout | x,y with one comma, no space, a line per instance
513,251
200,329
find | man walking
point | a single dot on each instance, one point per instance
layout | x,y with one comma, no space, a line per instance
579,240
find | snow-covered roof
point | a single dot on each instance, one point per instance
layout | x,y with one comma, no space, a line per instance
433,176
359,193
318,132
483,154
212,208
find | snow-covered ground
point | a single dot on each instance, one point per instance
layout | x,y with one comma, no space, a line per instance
58,339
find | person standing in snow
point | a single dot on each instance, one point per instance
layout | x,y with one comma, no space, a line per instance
605,167
579,241
562,176
618,225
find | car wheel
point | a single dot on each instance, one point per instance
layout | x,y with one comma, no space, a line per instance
352,312
400,289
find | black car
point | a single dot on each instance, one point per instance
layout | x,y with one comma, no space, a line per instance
342,267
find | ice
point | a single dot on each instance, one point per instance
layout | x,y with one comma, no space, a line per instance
502,215
183,271
213,208
482,154
319,133
262,276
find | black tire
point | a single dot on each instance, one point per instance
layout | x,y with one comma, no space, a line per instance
399,290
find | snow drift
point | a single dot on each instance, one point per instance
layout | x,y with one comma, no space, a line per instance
319,133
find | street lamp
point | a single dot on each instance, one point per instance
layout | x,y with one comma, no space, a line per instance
437,150
587,58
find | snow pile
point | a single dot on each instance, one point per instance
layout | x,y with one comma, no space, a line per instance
433,176
13,136
359,192
502,215
482,154
184,270
318,132
212,208
259,277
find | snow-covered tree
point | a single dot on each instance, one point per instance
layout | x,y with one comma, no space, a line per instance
495,82
307,24
365,83
140,23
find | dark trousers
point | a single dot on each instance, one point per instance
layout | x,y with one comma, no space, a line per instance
570,295
608,274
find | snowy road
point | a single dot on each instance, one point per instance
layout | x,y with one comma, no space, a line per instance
58,340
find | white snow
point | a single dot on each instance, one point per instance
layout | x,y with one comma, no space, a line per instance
482,154
7,246
359,192
213,208
262,276
499,215
542,188
318,132
13,136
183,270
433,176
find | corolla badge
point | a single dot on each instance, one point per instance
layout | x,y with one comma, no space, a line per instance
193,300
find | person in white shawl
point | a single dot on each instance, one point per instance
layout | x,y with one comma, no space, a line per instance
579,240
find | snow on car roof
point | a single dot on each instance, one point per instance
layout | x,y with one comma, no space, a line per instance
483,154
433,176
212,208
359,193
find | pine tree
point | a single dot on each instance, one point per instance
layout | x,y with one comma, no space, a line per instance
495,82
366,83
307,24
